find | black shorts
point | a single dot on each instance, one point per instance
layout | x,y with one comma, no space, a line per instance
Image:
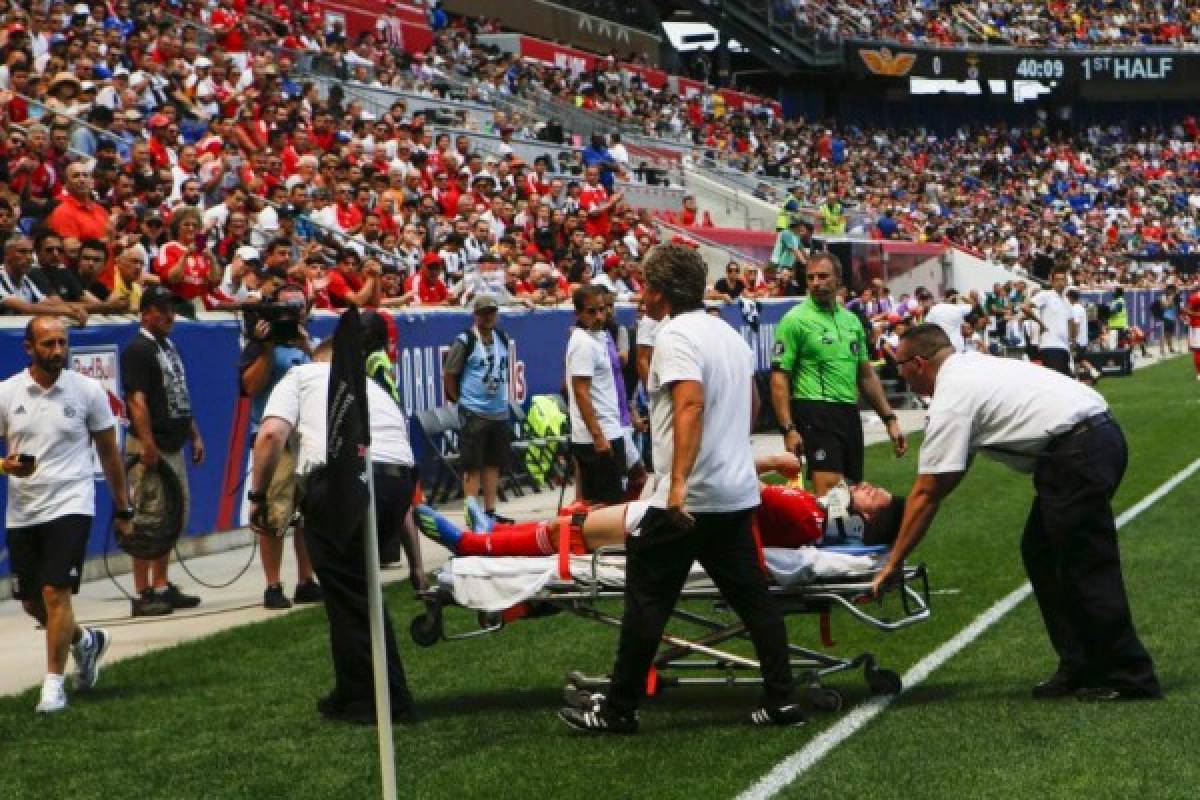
833,437
1057,359
483,442
49,554
600,477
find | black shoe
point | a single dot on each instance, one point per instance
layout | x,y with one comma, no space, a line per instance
782,716
178,599
1060,684
149,604
275,599
599,719
500,520
1109,694
308,592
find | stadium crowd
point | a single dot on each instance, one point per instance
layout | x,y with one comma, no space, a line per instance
1055,24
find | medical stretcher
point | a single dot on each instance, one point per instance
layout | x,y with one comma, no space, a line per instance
579,585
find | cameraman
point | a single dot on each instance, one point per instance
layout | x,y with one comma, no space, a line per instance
276,342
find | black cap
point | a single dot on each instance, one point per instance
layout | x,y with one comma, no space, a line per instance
156,296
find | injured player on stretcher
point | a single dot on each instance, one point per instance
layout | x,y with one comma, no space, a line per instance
787,517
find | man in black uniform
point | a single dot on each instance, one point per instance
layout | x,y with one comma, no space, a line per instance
160,412
298,404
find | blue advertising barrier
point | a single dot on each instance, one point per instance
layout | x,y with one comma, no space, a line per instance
210,348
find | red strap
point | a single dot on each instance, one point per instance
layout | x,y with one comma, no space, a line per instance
826,630
652,682
519,611
564,548
758,546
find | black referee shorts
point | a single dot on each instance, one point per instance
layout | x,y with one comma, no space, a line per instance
833,437
49,554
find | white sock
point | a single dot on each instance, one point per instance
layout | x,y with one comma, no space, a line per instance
52,681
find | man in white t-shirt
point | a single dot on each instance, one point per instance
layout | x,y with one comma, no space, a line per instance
49,418
702,403
299,404
1052,313
952,316
597,436
1039,422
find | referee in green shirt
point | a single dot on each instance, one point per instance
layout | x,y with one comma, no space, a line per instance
820,364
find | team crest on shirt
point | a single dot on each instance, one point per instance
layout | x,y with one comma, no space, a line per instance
777,349
819,455
826,338
69,412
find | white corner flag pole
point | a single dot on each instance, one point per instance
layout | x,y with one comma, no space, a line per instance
383,700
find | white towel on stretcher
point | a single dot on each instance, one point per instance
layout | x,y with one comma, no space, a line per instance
488,583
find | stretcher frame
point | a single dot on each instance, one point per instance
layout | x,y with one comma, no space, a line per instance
703,660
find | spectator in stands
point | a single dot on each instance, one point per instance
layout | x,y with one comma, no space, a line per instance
475,375
832,215
352,281
23,293
952,316
427,285
730,286
161,423
78,216
185,265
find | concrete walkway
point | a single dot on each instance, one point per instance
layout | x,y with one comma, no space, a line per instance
22,652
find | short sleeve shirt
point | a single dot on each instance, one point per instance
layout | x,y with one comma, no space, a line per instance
153,366
54,426
820,349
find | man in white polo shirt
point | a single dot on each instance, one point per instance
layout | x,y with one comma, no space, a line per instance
1052,313
298,404
597,436
1062,432
702,403
953,317
49,417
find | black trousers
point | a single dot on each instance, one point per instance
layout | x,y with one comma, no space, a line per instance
341,569
1070,553
601,477
1057,359
659,559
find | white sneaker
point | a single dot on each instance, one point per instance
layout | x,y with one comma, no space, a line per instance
87,659
54,699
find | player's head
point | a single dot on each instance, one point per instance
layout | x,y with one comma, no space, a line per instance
881,512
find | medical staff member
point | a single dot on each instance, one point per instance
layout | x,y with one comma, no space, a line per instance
706,489
819,365
299,403
1061,431
49,418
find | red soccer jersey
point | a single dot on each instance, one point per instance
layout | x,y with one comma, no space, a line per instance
428,292
590,197
789,517
195,271
340,286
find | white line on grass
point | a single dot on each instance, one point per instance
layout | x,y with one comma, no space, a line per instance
792,767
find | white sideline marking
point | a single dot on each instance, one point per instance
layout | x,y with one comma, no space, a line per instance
799,762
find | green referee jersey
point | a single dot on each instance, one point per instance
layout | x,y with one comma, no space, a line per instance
820,349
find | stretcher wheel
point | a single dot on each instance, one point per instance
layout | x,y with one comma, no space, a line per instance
488,620
883,681
819,698
426,629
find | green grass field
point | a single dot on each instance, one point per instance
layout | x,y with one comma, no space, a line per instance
232,716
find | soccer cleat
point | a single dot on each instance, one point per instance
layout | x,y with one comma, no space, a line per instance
178,599
478,520
87,659
599,719
308,592
275,600
782,716
437,527
53,699
499,519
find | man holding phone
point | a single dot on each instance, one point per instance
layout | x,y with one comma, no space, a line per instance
49,417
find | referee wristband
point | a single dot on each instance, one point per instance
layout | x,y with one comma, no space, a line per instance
886,418
123,513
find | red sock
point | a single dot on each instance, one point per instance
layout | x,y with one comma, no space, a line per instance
1196,360
519,539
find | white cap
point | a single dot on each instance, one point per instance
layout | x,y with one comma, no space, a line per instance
202,62
248,253
81,8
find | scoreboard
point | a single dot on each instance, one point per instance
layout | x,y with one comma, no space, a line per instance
1024,75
